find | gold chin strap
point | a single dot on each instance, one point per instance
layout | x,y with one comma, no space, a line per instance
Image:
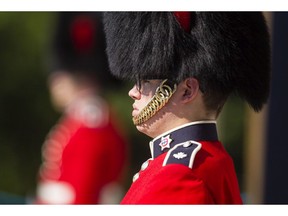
162,95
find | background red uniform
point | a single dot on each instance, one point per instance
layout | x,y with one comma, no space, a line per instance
82,155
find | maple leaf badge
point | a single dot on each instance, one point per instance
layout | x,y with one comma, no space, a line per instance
179,155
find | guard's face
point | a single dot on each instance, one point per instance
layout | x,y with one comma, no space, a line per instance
62,89
151,108
142,94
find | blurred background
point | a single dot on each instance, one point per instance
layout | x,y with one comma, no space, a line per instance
256,142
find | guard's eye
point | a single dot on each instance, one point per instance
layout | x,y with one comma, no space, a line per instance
141,83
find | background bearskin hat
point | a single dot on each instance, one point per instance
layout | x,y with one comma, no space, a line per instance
228,52
78,46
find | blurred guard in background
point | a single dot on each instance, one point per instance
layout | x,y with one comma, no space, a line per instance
185,65
84,155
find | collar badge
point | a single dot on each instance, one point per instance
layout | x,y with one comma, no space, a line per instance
165,142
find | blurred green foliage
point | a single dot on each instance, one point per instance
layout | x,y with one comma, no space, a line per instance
25,111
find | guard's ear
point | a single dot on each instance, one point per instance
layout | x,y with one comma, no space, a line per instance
190,89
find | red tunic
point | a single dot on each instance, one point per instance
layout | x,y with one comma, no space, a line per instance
188,166
82,154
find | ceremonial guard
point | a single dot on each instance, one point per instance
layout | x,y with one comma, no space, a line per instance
185,65
84,155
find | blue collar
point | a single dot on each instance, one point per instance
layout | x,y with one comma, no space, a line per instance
196,131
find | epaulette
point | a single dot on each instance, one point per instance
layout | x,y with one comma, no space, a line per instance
182,153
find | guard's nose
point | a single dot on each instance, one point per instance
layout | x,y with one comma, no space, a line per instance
134,93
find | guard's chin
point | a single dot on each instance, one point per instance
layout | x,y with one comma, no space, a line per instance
149,127
144,128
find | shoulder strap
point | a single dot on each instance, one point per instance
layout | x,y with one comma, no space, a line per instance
182,153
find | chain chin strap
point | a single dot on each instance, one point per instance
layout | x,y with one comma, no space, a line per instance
162,95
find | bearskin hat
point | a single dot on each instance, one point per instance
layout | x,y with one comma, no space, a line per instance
228,52
78,46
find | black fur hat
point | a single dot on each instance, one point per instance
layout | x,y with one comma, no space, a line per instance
78,46
228,52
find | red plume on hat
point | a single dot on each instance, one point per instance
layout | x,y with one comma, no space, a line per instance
228,52
83,31
184,18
